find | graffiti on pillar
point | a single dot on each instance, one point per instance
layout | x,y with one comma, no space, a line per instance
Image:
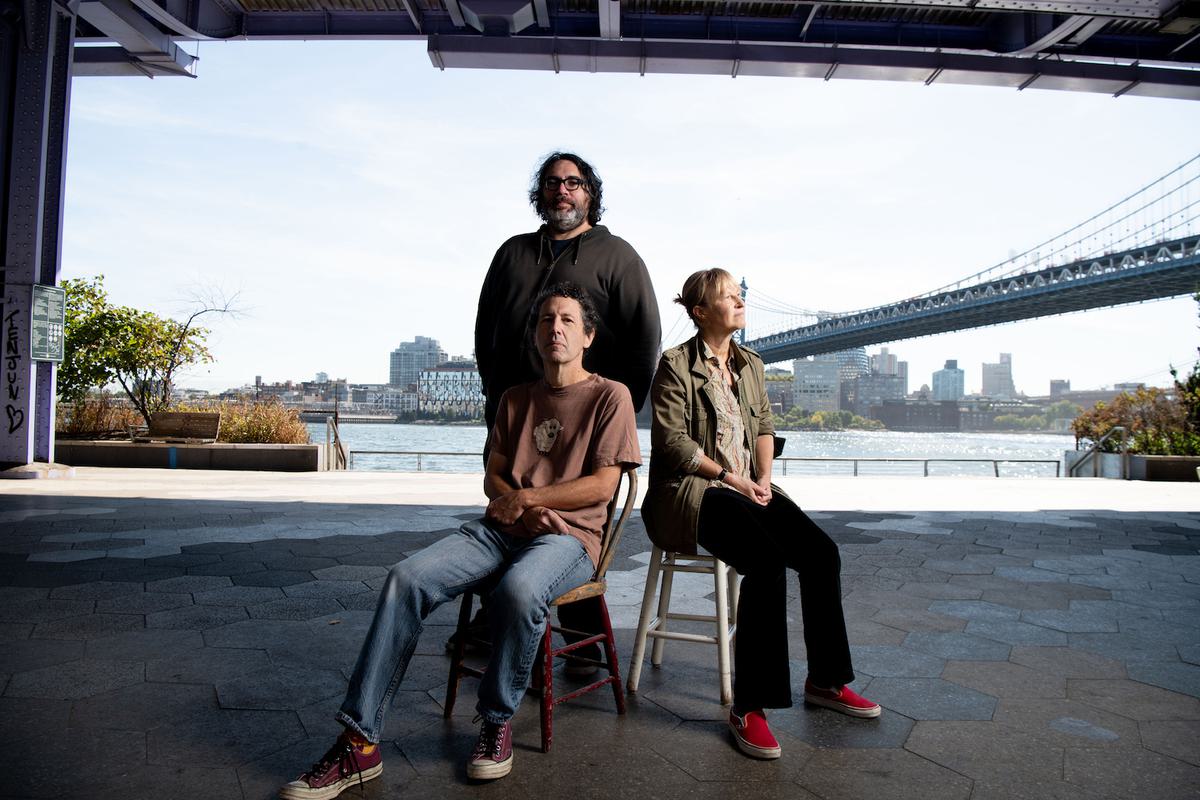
12,357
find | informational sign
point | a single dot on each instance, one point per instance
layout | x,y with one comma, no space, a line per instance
47,322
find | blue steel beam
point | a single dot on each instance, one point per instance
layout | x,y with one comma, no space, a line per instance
1152,272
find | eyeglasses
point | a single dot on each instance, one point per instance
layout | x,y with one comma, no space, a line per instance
572,183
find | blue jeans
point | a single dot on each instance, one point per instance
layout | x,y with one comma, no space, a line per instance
532,572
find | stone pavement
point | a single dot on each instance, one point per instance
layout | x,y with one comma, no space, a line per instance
188,635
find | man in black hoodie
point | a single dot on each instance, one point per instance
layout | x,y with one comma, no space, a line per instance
571,245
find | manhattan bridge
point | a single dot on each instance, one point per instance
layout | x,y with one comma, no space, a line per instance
1144,247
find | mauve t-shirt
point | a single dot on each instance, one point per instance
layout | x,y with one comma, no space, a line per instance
554,435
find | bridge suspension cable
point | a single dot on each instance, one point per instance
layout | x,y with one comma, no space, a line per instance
1166,208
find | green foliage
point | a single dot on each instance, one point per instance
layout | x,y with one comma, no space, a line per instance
1016,422
799,419
138,350
1157,424
1063,409
84,366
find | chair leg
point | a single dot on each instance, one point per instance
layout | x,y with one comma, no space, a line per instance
664,607
639,639
721,579
610,654
456,659
547,688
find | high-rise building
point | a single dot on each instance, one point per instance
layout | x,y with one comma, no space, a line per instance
407,360
1058,388
817,383
997,378
453,389
886,363
948,383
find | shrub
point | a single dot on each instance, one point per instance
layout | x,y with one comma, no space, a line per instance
1157,424
97,417
255,423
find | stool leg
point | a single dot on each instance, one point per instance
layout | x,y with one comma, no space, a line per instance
721,580
460,645
639,638
664,607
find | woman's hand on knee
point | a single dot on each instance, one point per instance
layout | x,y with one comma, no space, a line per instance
764,486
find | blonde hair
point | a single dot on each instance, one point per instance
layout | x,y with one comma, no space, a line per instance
699,287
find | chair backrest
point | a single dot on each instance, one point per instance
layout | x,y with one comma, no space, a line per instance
616,519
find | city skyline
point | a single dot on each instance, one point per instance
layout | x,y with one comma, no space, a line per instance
291,188
971,386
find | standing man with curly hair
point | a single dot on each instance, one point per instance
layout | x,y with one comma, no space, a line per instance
571,245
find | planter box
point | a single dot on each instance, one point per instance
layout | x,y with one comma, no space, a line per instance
258,457
1107,466
1141,468
1164,468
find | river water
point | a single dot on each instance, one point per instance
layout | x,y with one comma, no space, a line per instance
468,439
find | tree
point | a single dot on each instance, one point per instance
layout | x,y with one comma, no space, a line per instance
138,350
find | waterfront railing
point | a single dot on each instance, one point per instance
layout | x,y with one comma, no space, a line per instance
821,465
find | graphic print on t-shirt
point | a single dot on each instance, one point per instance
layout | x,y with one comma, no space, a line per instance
545,434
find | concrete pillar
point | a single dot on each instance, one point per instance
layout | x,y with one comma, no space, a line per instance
36,41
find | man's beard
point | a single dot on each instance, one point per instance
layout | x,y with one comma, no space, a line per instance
563,220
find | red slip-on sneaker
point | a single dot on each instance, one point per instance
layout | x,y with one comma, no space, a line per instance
843,699
753,736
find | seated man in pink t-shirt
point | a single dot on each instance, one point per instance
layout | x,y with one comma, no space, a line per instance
557,451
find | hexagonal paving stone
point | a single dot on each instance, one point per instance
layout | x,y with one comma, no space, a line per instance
974,610
143,603
195,617
1175,738
280,688
206,665
96,590
931,698
1138,773
894,774
75,680
91,626
1178,677
143,706
1134,700
293,608
1068,723
891,661
272,578
258,634
1004,679
238,596
144,644
44,610
704,751
223,737
987,751
1016,632
348,572
25,655
961,646
61,763
189,584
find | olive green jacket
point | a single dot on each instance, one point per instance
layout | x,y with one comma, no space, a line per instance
684,417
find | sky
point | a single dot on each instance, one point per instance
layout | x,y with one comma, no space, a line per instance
349,196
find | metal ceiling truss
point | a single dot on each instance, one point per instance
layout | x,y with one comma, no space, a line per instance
1140,47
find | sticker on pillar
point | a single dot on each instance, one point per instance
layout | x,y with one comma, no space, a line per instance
47,323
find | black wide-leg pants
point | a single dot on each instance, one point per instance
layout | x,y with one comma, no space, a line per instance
762,543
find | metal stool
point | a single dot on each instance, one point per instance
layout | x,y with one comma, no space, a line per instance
726,582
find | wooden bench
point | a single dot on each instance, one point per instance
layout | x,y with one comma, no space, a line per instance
185,427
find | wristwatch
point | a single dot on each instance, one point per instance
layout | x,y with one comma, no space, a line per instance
721,475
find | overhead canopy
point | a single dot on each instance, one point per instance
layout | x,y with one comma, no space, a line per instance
1137,47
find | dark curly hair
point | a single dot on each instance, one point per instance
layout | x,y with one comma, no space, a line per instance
592,185
571,291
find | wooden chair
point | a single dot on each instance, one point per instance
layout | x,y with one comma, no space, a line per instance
543,671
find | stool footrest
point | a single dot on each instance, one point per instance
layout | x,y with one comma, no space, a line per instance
682,637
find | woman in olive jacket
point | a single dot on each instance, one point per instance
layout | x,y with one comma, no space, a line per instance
712,442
